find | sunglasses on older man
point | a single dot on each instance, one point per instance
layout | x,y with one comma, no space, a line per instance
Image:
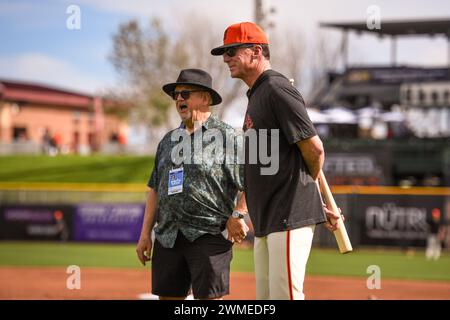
231,51
185,94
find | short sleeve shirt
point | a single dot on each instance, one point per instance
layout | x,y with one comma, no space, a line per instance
289,198
210,188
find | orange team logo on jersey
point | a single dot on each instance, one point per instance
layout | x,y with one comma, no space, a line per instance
248,122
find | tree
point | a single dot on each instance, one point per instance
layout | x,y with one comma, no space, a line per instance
149,58
198,44
325,58
141,58
288,55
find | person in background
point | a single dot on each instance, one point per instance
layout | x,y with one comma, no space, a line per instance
435,236
46,141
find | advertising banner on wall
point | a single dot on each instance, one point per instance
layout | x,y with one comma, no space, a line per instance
395,75
36,222
396,220
357,168
108,222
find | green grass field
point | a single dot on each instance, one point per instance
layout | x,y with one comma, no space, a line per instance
94,169
393,264
88,255
132,169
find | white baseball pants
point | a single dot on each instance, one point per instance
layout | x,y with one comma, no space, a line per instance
280,263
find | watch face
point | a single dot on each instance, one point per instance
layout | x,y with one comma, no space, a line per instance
237,215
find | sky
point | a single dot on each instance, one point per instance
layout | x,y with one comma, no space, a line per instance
37,46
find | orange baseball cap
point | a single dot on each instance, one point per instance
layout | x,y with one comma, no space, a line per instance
241,33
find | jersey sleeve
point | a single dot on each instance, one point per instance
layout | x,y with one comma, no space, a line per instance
290,111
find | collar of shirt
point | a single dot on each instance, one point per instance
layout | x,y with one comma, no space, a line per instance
209,123
263,76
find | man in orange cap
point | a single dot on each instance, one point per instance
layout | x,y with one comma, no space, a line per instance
286,206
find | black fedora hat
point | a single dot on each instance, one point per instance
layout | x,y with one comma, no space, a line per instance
194,77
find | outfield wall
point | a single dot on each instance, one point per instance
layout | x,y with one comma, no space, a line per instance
375,216
388,216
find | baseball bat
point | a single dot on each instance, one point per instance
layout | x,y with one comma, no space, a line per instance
340,233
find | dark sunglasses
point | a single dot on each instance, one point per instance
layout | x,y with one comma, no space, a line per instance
185,94
231,52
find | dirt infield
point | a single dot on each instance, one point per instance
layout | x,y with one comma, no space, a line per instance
100,283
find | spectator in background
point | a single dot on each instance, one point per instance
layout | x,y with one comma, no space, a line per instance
61,225
113,138
53,150
122,140
46,141
58,141
435,236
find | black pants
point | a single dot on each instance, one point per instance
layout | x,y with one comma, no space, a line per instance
203,264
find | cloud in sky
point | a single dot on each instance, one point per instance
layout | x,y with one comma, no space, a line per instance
34,35
173,10
142,8
301,15
37,67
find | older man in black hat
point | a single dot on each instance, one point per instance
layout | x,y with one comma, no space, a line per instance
193,202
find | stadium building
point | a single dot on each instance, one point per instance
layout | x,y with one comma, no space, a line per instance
387,125
38,118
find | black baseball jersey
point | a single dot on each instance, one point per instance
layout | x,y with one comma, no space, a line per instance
288,199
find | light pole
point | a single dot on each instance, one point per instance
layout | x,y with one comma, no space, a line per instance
261,15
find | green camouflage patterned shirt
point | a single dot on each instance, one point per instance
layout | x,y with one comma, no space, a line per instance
209,189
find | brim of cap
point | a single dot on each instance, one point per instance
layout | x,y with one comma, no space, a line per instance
215,96
221,50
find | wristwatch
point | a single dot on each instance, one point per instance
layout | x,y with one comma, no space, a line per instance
237,215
